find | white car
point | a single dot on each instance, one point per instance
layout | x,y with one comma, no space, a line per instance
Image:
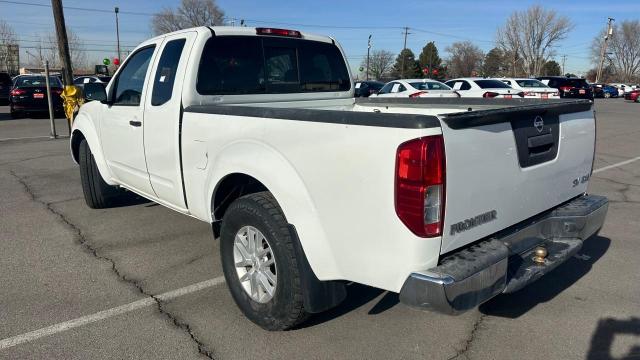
414,88
622,88
483,88
532,88
256,132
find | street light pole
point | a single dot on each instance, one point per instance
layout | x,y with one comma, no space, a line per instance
368,50
117,10
604,49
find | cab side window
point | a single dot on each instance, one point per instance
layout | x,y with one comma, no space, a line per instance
130,81
166,72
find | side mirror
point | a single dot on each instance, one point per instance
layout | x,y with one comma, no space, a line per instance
95,91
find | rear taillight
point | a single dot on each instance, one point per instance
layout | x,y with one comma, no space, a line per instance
420,185
566,88
17,92
278,32
490,94
417,94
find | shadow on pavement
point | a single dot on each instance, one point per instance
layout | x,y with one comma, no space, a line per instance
357,296
547,287
604,336
130,199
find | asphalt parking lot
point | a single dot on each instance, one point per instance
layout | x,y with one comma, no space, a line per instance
141,281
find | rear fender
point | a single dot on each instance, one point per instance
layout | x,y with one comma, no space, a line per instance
278,175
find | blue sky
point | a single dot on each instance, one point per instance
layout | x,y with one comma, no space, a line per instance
350,22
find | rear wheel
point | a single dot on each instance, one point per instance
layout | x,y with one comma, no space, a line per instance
259,262
97,193
13,113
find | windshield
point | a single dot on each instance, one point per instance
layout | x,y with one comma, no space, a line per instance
492,84
530,83
578,83
429,85
37,81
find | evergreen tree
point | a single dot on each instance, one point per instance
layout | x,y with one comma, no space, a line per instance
494,63
411,66
551,68
430,61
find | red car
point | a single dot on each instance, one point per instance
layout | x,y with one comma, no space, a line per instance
632,95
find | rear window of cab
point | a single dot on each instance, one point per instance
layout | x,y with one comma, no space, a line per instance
238,65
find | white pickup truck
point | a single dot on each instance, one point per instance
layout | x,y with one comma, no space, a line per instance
448,202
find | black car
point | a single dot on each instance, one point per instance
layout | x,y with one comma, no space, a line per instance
29,95
368,87
569,87
5,87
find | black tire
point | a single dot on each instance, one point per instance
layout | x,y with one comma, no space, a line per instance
260,210
97,193
14,114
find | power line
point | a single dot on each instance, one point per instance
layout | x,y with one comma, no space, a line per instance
76,8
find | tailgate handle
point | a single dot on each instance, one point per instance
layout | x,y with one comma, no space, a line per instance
539,144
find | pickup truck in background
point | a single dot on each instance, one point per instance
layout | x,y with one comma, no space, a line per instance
448,202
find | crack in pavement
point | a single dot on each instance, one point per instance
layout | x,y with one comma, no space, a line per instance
82,240
470,339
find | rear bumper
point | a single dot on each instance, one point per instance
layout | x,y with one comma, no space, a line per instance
504,263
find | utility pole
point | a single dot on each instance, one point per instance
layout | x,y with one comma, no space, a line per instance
71,95
406,32
117,10
368,50
604,48
564,58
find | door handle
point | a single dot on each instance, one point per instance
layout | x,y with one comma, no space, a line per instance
135,123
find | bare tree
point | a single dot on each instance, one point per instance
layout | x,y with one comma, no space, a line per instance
380,64
190,13
46,48
624,47
465,59
7,39
531,36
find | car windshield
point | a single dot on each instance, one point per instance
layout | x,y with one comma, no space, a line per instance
530,83
492,84
578,83
37,81
429,85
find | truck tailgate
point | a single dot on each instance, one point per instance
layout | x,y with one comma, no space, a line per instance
507,165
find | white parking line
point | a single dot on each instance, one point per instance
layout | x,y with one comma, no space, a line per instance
33,137
616,165
88,319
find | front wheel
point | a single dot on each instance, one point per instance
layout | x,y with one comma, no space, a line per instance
97,193
259,262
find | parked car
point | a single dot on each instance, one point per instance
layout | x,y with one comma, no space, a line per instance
569,87
414,88
622,88
255,131
483,88
80,81
632,95
532,88
604,91
5,87
29,95
367,88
